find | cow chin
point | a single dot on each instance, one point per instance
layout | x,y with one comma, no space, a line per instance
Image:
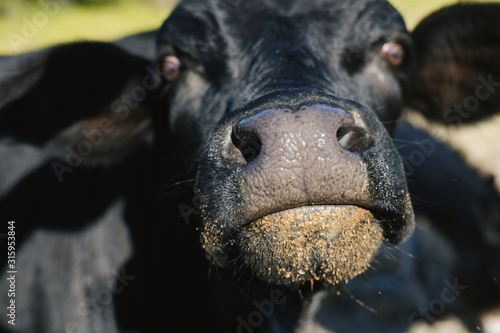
328,244
325,244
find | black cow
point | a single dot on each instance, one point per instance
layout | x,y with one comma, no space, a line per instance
276,114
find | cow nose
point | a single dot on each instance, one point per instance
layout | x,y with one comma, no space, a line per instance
323,122
246,138
301,157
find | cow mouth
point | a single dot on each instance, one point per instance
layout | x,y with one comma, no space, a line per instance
329,244
301,215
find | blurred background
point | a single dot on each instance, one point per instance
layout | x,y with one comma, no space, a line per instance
27,25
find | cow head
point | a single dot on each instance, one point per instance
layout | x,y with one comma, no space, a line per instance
298,179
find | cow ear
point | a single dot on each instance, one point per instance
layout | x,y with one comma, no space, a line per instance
457,75
92,98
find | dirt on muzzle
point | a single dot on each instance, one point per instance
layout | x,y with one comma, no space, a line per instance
329,244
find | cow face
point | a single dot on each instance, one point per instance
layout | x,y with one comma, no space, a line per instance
298,180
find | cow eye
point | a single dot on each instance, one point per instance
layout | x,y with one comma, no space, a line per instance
171,68
393,52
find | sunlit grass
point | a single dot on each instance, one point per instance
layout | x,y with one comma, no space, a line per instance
29,27
414,11
123,17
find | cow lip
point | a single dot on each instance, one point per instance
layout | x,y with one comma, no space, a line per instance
311,208
324,243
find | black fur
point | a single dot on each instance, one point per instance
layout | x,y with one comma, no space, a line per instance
165,148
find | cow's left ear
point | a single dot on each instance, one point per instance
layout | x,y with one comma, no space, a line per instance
457,74
92,98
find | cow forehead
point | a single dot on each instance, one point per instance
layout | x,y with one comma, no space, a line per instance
214,29
258,19
283,7
265,44
317,9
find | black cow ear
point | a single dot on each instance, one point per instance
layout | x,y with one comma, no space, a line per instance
92,98
457,75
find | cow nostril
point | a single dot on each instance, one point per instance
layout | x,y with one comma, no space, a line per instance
352,139
248,143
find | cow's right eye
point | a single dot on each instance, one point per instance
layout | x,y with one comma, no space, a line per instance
171,68
394,53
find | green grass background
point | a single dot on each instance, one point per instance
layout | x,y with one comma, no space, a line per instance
115,19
